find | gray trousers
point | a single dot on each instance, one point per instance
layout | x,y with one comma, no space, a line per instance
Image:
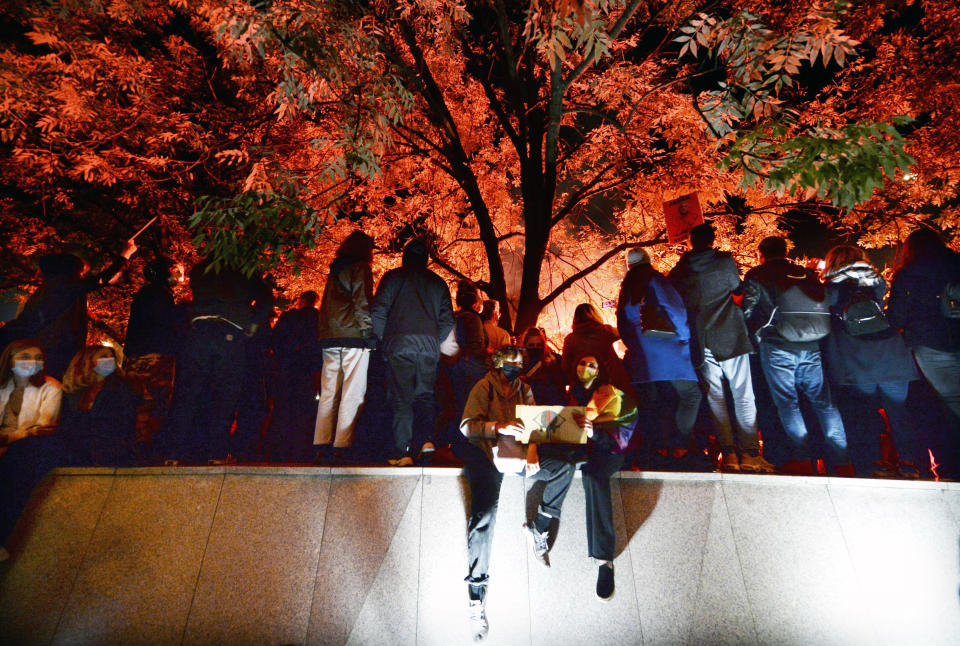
736,373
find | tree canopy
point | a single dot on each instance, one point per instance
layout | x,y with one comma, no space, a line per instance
531,142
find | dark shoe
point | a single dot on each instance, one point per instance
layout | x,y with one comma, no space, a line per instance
797,468
426,454
909,471
605,587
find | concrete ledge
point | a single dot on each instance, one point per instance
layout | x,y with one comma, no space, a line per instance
320,555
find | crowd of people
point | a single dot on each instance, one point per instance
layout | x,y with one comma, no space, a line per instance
835,370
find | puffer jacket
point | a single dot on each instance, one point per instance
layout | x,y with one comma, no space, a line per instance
489,403
866,359
706,280
345,319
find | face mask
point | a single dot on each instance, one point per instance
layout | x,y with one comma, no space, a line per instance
511,372
586,373
105,366
27,367
536,355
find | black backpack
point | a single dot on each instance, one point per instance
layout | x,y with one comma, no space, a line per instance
861,315
799,318
950,300
654,321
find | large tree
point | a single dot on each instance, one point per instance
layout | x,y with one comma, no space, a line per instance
533,141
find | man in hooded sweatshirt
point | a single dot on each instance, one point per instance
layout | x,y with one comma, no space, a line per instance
706,280
411,316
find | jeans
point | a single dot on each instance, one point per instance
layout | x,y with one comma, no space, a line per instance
791,373
484,481
858,405
736,372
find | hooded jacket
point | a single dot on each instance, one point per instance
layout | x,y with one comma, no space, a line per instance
868,359
706,280
345,319
490,402
411,310
762,285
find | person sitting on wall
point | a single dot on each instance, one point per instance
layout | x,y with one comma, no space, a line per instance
98,424
491,426
29,410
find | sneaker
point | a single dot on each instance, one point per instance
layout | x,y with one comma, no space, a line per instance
755,464
731,463
605,587
539,543
478,620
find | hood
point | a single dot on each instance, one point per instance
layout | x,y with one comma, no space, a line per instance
862,272
698,261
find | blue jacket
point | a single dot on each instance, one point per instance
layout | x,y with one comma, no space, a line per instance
915,304
649,358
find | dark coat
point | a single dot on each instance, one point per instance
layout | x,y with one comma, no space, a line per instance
762,285
706,280
104,435
412,307
228,294
915,305
867,359
295,337
592,338
155,324
651,358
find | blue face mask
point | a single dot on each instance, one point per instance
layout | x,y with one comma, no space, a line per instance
105,366
511,372
27,367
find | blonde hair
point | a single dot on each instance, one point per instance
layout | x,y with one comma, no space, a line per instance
79,375
843,256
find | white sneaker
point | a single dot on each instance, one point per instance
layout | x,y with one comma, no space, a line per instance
540,543
478,620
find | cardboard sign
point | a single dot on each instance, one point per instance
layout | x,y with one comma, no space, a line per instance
551,424
682,214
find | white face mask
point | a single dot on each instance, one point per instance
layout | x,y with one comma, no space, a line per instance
105,366
27,367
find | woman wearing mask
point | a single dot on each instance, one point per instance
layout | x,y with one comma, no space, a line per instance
29,409
99,413
591,335
870,365
543,371
489,414
610,419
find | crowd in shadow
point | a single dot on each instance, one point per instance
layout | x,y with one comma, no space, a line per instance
842,375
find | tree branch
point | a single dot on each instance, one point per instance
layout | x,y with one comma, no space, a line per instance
570,280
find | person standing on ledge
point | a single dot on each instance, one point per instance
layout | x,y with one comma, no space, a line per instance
411,316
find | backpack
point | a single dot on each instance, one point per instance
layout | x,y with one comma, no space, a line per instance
799,318
950,300
654,321
862,315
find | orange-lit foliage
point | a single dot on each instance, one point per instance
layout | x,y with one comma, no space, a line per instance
436,117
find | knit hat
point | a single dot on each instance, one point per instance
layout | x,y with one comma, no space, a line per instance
637,256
